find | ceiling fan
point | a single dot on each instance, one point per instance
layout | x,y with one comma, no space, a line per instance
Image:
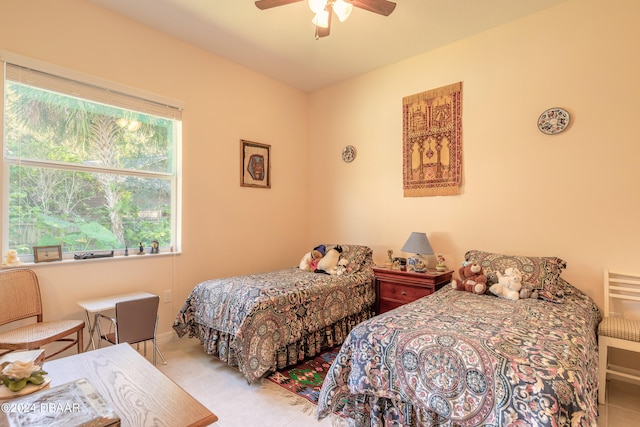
324,10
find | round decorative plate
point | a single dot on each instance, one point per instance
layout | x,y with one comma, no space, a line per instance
349,153
553,120
5,393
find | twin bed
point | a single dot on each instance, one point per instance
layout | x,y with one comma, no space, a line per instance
450,359
264,322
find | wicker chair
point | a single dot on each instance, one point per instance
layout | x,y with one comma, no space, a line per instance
20,299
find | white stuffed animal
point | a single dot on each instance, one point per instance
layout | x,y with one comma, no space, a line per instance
342,267
310,260
509,284
329,263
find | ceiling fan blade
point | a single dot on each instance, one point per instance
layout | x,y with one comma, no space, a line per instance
382,7
268,4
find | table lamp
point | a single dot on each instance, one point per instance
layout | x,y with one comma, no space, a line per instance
417,243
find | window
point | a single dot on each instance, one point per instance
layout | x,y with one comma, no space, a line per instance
86,167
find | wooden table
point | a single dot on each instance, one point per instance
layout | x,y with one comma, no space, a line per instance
139,393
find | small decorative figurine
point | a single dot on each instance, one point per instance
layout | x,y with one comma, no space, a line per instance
126,251
154,247
12,258
441,266
141,250
419,266
389,262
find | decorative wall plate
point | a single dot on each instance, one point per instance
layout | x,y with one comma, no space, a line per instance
553,120
349,153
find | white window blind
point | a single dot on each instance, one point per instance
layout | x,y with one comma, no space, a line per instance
44,80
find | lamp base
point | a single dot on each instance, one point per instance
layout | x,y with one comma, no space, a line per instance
417,264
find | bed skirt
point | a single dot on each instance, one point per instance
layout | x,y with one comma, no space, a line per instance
226,346
364,410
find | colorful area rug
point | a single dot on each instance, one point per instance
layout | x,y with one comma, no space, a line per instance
304,380
302,383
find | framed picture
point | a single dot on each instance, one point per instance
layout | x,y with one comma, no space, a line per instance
47,253
255,164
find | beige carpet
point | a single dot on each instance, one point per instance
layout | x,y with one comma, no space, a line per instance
226,393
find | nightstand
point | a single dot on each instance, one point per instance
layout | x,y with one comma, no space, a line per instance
395,288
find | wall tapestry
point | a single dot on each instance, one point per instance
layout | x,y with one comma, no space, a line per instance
255,164
432,142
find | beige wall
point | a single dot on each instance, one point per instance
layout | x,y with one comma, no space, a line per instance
227,229
571,195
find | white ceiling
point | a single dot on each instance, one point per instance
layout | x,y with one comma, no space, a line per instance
280,42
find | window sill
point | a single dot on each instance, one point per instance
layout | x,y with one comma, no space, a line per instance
68,261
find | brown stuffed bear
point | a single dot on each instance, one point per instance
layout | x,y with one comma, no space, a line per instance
472,279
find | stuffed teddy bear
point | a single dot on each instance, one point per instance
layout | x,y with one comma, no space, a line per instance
472,279
329,263
310,260
509,284
528,291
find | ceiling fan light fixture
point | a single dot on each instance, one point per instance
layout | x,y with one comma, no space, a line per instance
342,9
321,19
323,10
317,6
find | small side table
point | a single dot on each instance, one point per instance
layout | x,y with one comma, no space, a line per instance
395,288
98,305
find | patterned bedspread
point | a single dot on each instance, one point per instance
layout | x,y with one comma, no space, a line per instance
266,321
459,359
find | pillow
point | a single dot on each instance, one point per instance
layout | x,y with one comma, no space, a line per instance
355,258
553,293
542,272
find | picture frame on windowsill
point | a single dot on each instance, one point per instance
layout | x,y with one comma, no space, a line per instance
47,253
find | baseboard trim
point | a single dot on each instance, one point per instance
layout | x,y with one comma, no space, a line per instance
624,370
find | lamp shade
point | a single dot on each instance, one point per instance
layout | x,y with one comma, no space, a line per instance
418,243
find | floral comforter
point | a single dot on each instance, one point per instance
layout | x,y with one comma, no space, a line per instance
459,359
266,321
